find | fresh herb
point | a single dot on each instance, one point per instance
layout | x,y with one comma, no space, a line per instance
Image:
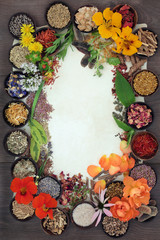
33,57
113,61
62,42
124,90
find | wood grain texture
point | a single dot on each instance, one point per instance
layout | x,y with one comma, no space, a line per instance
148,12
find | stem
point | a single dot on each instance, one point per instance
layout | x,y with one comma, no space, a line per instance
36,99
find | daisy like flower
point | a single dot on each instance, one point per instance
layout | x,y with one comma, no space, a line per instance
127,42
27,28
26,39
36,47
109,23
101,207
42,203
24,188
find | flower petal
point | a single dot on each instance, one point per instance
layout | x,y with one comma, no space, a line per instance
98,18
93,170
108,204
107,14
100,185
107,212
38,201
32,188
126,32
50,213
95,215
104,32
116,19
104,162
40,213
99,218
25,199
26,180
16,185
52,203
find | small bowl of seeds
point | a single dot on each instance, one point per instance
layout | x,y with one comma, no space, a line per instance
21,212
113,227
58,224
82,213
83,18
114,189
17,56
50,185
16,142
58,15
139,116
24,167
13,85
16,21
145,83
16,113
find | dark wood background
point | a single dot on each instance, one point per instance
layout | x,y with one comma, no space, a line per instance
148,12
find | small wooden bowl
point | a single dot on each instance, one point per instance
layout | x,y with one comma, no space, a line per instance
132,142
135,19
65,228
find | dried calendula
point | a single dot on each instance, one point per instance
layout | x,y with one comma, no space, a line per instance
16,113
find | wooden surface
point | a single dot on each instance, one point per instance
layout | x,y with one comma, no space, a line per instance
148,12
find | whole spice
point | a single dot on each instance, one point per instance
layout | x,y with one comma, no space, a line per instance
18,55
49,185
17,21
16,113
114,227
82,214
17,142
58,15
144,171
14,86
56,225
144,145
24,168
46,37
22,211
83,18
115,190
145,83
139,115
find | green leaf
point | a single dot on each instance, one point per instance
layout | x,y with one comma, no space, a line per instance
129,136
123,125
34,150
113,61
36,135
124,90
41,130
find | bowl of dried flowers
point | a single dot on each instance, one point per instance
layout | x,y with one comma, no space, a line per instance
129,15
145,83
24,167
139,115
13,85
58,15
144,145
16,142
58,224
16,113
83,18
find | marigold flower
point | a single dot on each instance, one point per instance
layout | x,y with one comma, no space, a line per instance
27,28
138,191
42,203
122,209
24,188
109,23
26,39
36,47
127,42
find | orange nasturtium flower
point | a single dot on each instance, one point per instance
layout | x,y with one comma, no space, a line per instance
109,23
42,203
138,191
24,188
122,209
127,42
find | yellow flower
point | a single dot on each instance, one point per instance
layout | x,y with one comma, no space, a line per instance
36,47
26,39
127,42
109,23
27,28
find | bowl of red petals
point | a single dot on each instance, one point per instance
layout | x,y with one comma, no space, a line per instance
144,145
139,115
129,15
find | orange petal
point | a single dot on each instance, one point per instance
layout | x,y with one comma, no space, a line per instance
100,185
93,170
115,159
38,201
131,163
25,199
32,188
123,165
98,18
128,180
113,170
16,185
104,162
116,19
114,200
40,213
124,148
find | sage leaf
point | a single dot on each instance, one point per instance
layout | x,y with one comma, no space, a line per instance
123,125
34,150
113,61
40,129
124,90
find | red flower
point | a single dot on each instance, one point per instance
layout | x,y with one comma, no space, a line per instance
43,203
24,188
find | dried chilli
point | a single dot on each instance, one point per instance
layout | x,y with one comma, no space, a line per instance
46,37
